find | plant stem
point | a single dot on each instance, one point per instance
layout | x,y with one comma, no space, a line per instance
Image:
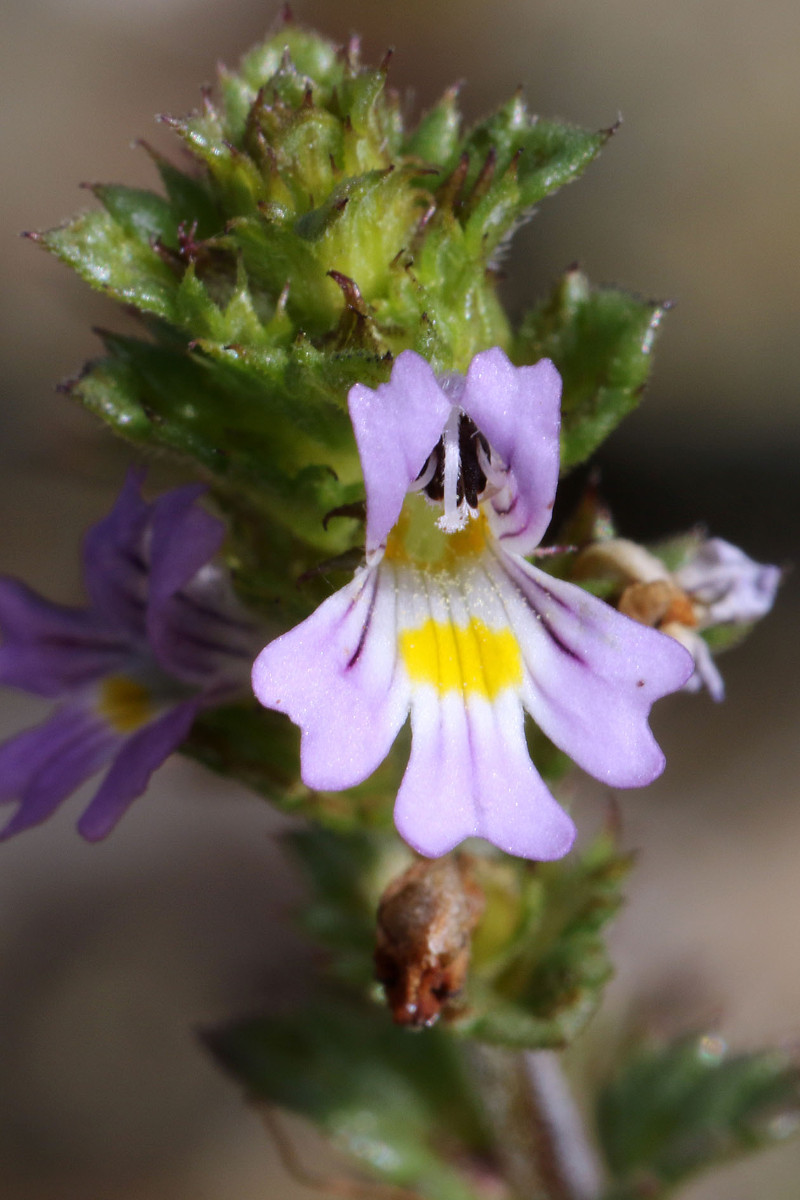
568,1161
540,1142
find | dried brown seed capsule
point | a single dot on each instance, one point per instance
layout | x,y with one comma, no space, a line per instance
657,603
425,921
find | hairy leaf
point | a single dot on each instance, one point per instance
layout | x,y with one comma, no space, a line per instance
676,1109
601,340
399,1104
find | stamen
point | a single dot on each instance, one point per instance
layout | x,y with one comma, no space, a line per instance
455,517
495,474
427,473
473,479
455,472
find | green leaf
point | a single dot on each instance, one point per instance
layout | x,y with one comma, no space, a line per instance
347,874
397,1103
274,255
252,744
676,1109
308,148
311,55
264,452
115,260
494,214
218,399
436,138
189,197
536,983
351,829
601,340
139,213
553,154
547,154
373,112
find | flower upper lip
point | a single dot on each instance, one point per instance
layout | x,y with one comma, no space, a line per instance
398,425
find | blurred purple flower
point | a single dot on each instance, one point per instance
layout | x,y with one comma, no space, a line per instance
727,586
449,621
162,638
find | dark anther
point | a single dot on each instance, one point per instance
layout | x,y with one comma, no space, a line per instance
472,480
471,477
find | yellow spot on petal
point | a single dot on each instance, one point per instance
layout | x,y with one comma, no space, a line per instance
473,658
125,703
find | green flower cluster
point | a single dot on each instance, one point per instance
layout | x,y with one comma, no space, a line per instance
312,237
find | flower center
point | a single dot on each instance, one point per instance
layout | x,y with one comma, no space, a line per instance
418,539
472,659
124,703
455,471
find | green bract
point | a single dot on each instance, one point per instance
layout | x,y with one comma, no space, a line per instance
673,1110
601,341
312,237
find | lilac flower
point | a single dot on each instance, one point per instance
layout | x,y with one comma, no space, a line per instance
161,639
717,585
449,621
727,586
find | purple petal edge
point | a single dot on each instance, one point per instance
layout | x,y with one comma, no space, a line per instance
469,775
60,755
131,770
335,675
732,586
50,649
185,537
592,675
113,563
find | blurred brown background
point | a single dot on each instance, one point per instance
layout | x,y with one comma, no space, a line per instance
110,956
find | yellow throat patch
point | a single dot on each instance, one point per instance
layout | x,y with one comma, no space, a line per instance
125,703
472,659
